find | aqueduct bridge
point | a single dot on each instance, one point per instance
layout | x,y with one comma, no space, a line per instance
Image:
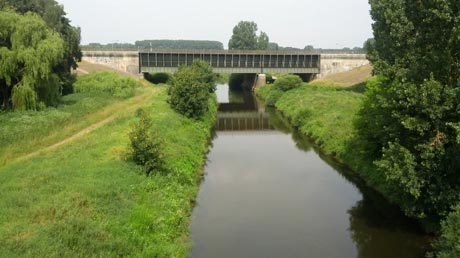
232,61
161,60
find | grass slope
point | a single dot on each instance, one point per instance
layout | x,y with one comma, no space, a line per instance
84,200
349,78
324,113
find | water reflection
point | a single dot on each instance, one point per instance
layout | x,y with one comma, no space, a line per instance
276,195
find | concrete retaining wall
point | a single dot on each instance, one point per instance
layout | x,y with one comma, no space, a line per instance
336,63
126,61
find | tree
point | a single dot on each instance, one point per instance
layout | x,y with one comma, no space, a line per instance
191,89
309,48
206,75
273,46
54,16
447,245
245,37
146,145
263,41
28,51
411,118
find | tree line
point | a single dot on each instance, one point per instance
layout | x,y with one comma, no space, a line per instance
161,44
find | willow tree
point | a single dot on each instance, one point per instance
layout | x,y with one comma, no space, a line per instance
28,52
55,17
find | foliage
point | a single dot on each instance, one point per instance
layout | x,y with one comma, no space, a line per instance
411,117
222,78
94,204
191,89
157,78
245,38
309,48
206,75
110,82
273,46
146,146
288,82
269,94
262,41
369,47
55,17
448,245
28,51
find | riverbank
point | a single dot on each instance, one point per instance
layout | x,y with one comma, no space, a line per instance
326,114
84,199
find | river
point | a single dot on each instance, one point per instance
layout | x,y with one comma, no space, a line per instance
268,192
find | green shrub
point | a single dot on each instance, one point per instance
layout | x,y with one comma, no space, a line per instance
191,89
110,82
448,245
206,75
157,78
288,82
146,146
273,96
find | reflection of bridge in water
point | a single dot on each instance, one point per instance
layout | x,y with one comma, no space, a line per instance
243,121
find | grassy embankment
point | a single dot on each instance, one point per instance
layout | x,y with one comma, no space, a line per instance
83,199
325,110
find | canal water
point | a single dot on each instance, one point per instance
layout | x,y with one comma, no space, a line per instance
268,192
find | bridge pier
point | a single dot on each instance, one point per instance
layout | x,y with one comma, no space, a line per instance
261,80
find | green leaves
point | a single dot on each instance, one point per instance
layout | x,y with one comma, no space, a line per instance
146,145
191,89
411,116
399,165
288,82
245,38
29,51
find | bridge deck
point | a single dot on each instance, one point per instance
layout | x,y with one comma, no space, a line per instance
232,61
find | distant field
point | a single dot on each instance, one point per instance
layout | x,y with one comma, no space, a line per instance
355,76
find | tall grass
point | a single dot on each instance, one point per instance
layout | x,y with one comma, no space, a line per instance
108,82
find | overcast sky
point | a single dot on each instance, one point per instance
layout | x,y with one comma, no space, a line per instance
295,23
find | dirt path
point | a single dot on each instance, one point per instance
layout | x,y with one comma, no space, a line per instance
71,138
137,102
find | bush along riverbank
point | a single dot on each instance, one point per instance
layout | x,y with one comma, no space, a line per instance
89,198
